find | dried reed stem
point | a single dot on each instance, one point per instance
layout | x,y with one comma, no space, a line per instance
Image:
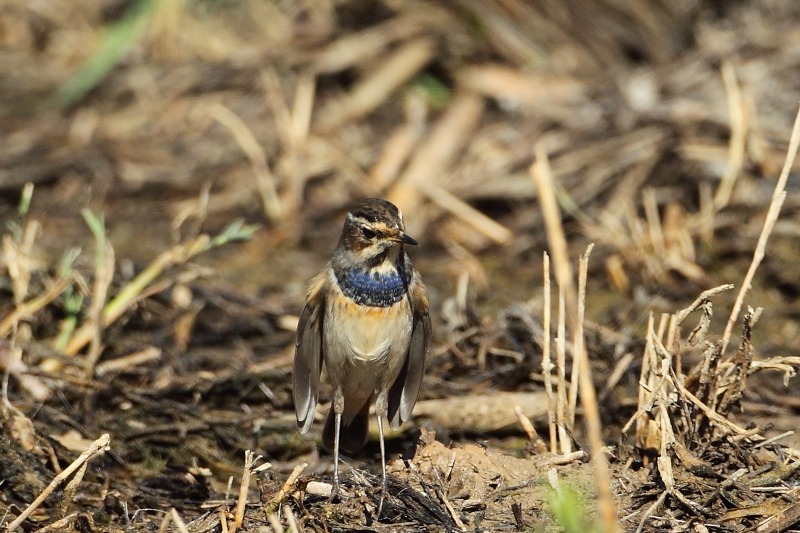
68,494
737,109
292,126
223,520
103,276
178,521
275,522
775,206
127,361
651,510
645,386
396,151
287,488
302,109
547,364
294,527
170,517
538,444
12,365
716,418
545,185
582,274
178,254
378,85
574,381
244,137
468,214
439,148
575,306
18,246
561,363
591,411
31,307
360,47
68,523
683,314
241,502
96,448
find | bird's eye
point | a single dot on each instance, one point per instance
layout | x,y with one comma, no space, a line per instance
367,233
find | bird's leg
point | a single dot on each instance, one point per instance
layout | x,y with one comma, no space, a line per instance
381,409
338,409
383,466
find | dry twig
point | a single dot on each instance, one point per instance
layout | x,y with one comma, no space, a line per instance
128,295
103,276
547,364
737,109
482,413
778,197
561,369
98,447
250,459
287,488
447,137
591,411
581,374
265,180
32,306
369,92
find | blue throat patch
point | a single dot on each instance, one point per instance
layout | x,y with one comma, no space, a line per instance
374,290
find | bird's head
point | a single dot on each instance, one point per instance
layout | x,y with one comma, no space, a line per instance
373,232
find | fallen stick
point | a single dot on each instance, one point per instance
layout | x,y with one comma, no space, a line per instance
97,447
483,413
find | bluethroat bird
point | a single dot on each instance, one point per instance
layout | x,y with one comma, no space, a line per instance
366,316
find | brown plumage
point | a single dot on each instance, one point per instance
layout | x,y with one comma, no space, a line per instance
366,316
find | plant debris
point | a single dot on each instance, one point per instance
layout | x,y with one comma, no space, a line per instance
172,172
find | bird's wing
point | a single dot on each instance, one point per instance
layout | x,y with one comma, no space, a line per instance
405,390
308,354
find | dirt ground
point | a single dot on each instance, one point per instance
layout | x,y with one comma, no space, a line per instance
173,173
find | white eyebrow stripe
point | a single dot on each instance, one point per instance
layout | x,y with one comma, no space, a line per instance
359,221
376,225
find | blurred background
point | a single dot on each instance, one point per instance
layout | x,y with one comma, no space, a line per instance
665,126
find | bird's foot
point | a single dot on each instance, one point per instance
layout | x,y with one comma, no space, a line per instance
380,503
338,491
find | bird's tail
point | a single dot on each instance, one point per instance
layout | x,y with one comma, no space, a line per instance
353,436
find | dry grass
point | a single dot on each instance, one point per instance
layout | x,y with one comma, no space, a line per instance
654,131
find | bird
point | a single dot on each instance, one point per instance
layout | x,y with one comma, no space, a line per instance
366,316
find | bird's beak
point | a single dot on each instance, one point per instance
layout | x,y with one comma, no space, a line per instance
405,239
